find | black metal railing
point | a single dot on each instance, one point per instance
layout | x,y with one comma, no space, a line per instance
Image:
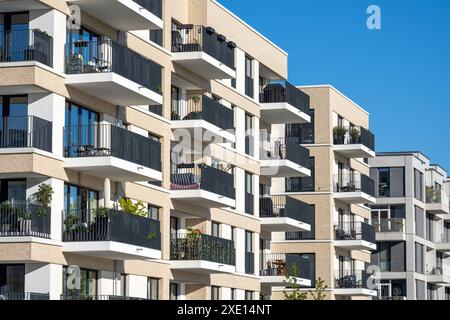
351,279
24,220
25,132
283,91
273,264
88,297
354,231
354,135
154,6
249,203
354,183
285,149
283,206
23,296
108,56
249,263
102,140
201,176
26,45
190,38
201,107
111,225
389,225
202,247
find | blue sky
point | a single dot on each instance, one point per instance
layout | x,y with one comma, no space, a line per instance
400,74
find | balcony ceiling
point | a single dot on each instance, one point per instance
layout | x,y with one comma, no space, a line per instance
354,151
355,245
278,113
354,197
204,65
283,168
201,266
21,5
280,281
283,224
202,198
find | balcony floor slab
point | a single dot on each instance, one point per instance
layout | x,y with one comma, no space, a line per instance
354,151
283,168
279,281
355,245
203,198
201,266
283,224
204,65
283,112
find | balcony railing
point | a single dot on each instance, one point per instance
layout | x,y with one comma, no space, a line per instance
201,107
283,206
105,56
285,149
249,263
194,246
25,132
389,225
154,6
190,38
26,45
283,91
436,195
202,177
435,271
23,296
354,183
351,279
354,231
274,264
103,140
111,225
24,220
85,297
444,238
354,135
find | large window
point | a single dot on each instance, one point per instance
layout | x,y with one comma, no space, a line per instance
174,291
153,289
418,185
419,259
215,229
12,278
13,191
80,202
305,263
14,38
215,295
87,282
302,133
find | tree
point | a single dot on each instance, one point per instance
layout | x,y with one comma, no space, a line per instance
294,293
320,288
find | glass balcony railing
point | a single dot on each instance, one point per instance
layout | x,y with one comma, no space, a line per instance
283,91
285,149
389,225
354,231
24,220
354,183
353,135
436,196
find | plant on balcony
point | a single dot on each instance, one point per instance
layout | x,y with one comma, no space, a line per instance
158,89
151,236
320,288
354,135
71,222
295,292
339,133
193,234
43,198
137,209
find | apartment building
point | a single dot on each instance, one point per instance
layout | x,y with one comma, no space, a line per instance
411,222
140,119
337,246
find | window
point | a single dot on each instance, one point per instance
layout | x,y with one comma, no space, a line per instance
302,133
156,36
174,226
174,291
248,295
80,201
303,184
419,219
248,183
305,264
249,255
87,285
419,261
215,293
249,143
249,82
248,67
233,294
14,36
153,212
418,185
248,241
249,198
384,182
123,285
233,236
12,278
309,218
153,289
215,229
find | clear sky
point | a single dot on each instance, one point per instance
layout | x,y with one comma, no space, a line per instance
400,74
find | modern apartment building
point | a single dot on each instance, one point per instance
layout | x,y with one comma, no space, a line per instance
141,120
411,221
337,246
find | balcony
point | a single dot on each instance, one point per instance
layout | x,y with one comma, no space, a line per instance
26,45
283,214
202,185
24,220
113,73
390,229
354,142
111,234
284,103
274,271
203,51
108,151
198,113
125,15
354,236
354,188
25,132
436,276
443,244
200,253
24,296
352,283
437,201
284,158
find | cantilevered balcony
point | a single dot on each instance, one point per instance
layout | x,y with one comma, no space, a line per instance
112,72
202,185
284,103
354,236
354,188
390,229
354,142
195,252
352,283
284,158
437,276
111,234
275,271
443,243
108,151
201,50
203,117
26,45
437,201
25,132
24,220
283,214
125,15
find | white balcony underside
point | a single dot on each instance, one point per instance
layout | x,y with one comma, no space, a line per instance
111,250
21,5
283,224
355,292
283,168
437,208
122,15
444,247
204,65
354,197
201,130
438,279
202,198
113,168
354,151
355,244
113,88
279,281
282,112
201,266
390,236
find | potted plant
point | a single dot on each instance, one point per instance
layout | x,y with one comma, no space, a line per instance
196,99
43,198
354,135
339,133
137,209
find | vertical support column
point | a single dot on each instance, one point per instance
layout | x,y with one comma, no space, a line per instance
239,237
239,57
256,80
256,252
107,193
106,283
240,191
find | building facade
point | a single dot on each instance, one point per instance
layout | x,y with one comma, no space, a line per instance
410,217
